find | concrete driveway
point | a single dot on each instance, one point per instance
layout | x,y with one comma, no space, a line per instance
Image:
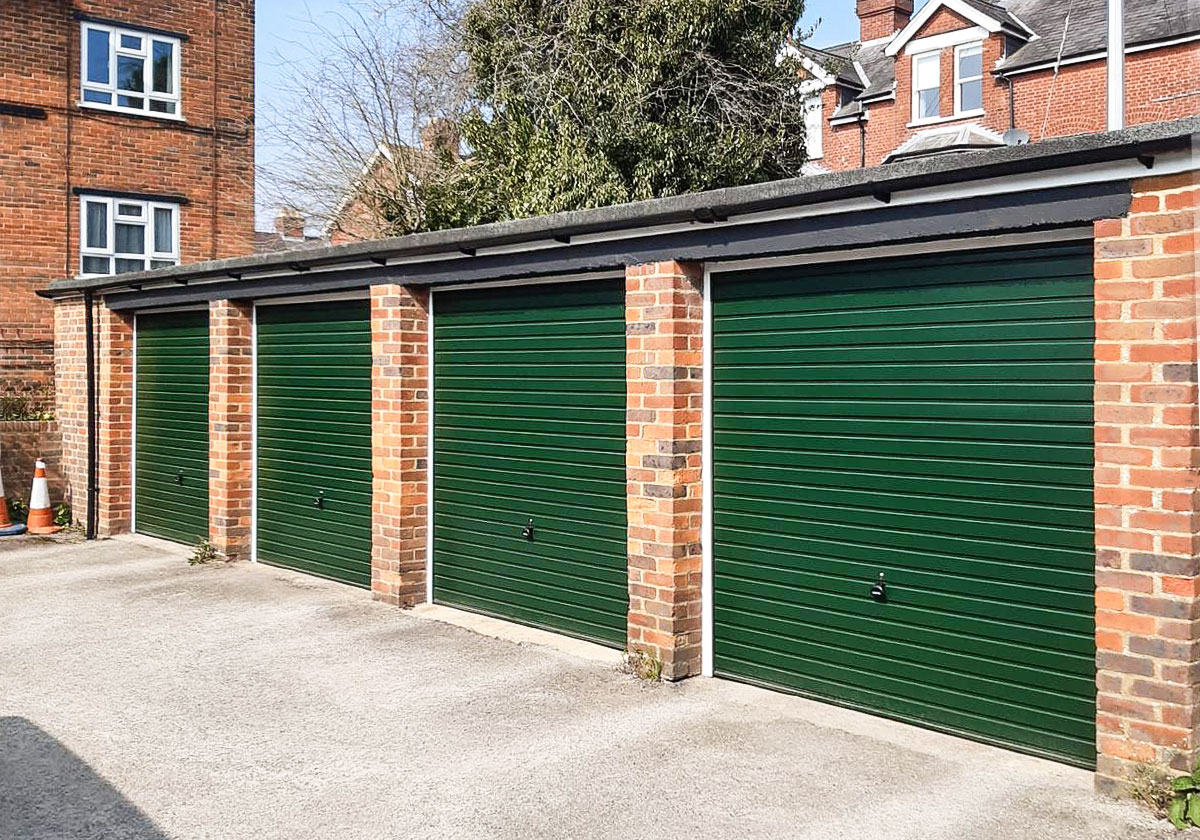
143,698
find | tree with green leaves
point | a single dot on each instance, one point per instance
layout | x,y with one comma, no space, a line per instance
586,103
560,104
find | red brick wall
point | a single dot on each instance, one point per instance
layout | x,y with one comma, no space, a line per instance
209,159
230,426
70,391
21,443
114,422
32,188
1147,571
943,21
114,412
1160,86
664,360
357,222
880,18
399,434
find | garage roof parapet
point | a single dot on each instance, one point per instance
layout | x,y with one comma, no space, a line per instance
624,221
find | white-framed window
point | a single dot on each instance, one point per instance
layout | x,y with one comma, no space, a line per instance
968,79
814,122
131,71
117,235
927,86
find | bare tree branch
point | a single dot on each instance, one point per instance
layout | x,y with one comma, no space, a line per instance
369,81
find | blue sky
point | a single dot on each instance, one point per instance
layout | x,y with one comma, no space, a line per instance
282,30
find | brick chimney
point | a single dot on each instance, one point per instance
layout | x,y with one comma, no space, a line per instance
441,136
882,18
289,224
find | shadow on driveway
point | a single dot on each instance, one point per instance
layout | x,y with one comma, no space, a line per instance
46,791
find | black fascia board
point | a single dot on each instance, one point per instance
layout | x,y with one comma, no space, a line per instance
976,216
132,196
803,192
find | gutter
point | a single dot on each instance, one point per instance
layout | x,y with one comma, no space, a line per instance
562,230
1095,55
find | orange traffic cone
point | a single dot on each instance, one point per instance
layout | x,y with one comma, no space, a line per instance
41,517
7,526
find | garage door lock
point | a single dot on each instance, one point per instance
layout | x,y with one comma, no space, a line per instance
319,500
880,591
527,531
179,477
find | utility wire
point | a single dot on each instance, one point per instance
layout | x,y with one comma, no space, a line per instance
1057,66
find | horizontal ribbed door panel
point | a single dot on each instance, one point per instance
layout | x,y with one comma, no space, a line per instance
171,462
314,439
929,419
529,423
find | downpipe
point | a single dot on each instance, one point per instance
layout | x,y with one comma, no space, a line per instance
89,330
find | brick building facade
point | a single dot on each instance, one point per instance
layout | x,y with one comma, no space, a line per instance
1002,57
144,107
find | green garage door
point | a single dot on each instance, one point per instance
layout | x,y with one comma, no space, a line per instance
529,414
314,439
171,462
929,420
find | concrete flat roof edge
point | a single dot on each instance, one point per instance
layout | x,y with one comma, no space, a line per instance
807,190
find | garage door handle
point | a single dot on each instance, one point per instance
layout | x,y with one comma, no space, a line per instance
179,477
319,500
527,531
879,590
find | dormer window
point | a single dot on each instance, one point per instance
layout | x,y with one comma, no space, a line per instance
968,79
846,96
927,86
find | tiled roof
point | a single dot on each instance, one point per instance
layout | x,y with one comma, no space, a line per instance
838,61
880,67
844,61
1146,21
850,109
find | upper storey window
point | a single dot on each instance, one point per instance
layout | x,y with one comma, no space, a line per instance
927,81
814,124
968,79
127,234
968,83
132,71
